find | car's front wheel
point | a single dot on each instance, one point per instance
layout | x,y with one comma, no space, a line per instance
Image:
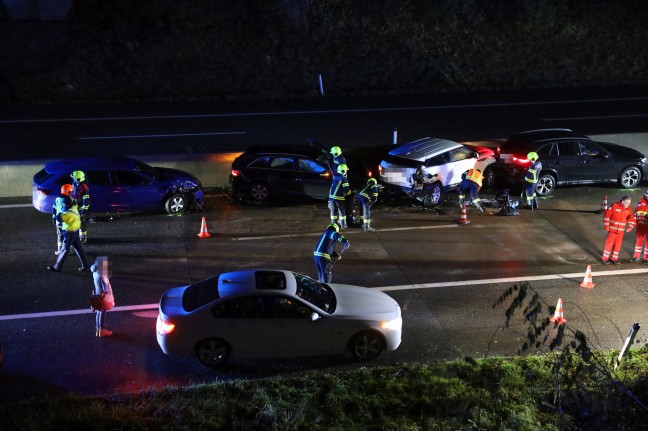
366,345
212,352
546,185
630,177
260,192
489,178
432,195
176,204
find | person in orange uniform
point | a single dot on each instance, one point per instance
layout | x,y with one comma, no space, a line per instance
471,184
617,220
641,214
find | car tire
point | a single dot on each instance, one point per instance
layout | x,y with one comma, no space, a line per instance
176,204
212,352
432,195
366,345
489,178
630,177
546,185
260,192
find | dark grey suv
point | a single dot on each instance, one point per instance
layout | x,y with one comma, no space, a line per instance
569,158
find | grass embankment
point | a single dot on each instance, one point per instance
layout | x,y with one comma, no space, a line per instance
488,394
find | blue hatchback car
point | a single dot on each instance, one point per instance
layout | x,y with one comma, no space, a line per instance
120,184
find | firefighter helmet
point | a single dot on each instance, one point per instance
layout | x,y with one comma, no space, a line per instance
342,169
533,156
334,226
66,189
336,151
78,175
372,180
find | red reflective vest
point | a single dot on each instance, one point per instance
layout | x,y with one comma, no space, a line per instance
616,218
475,176
641,212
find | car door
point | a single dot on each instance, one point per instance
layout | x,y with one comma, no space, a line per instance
315,178
569,163
103,197
597,166
458,161
281,176
138,191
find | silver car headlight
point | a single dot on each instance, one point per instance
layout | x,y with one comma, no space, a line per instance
393,325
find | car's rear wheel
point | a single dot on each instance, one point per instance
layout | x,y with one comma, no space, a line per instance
630,177
489,178
432,195
176,204
546,185
366,345
212,352
260,192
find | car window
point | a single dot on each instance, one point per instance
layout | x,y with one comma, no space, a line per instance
128,178
310,166
316,293
461,154
148,170
283,164
200,293
547,150
288,308
262,162
588,149
98,178
438,160
247,307
270,280
568,148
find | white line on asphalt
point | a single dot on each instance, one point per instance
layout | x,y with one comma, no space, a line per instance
16,206
601,117
321,111
383,289
168,135
297,235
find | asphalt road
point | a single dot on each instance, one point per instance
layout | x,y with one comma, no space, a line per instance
446,277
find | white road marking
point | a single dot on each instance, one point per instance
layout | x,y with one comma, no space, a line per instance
344,232
16,206
167,135
138,308
600,117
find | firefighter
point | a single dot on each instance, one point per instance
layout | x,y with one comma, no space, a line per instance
531,180
641,215
366,198
338,158
81,196
70,225
337,195
57,208
325,252
616,220
471,183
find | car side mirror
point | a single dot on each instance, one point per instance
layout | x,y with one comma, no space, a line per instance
315,316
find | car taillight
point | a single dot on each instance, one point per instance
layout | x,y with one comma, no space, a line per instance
164,327
520,160
498,151
380,170
236,172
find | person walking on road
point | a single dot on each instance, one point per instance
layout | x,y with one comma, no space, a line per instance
101,275
531,180
70,225
617,220
58,208
325,252
471,183
337,195
81,196
641,215
366,198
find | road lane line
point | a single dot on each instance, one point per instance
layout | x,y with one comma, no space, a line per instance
346,233
16,206
382,289
600,117
167,135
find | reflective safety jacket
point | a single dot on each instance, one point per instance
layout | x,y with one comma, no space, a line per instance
58,207
339,188
617,217
339,160
475,176
70,219
369,192
326,243
81,196
641,212
532,173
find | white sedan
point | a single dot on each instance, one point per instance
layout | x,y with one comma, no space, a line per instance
264,313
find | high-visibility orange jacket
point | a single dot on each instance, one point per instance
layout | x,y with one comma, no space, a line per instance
475,176
641,212
616,218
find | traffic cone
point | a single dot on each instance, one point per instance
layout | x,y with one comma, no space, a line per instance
203,229
604,206
558,315
587,281
464,217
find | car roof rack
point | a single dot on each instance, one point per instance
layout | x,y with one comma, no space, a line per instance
545,130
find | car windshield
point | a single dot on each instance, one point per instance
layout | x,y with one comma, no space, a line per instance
318,294
148,170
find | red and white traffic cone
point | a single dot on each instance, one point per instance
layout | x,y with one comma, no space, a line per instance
203,229
558,314
604,205
464,216
587,281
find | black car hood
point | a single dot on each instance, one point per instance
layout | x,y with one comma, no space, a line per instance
619,150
